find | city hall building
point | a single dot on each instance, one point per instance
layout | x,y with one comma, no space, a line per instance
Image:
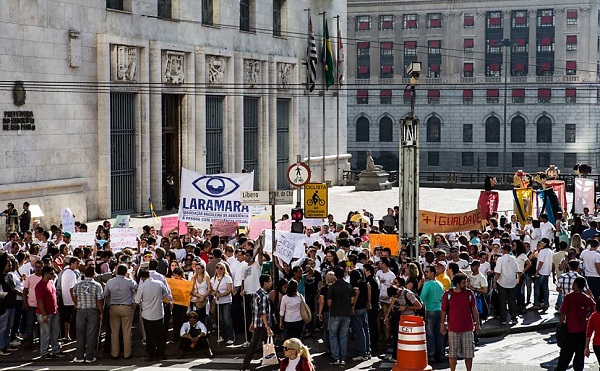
104,100
504,85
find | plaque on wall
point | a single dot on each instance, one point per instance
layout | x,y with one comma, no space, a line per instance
215,66
124,62
18,120
252,73
173,67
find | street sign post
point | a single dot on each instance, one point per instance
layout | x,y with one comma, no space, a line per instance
315,200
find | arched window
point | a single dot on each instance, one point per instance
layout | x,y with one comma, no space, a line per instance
386,129
362,129
544,130
434,129
517,130
492,130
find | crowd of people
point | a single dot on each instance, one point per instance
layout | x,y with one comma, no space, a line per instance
455,281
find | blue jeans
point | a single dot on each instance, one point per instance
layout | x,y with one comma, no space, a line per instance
360,327
225,320
49,334
338,337
541,283
435,339
6,323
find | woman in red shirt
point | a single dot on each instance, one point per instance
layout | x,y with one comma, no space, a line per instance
593,326
297,356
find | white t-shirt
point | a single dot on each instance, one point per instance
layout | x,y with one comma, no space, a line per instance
478,280
221,287
69,279
251,277
590,258
290,308
545,256
385,281
292,364
484,268
463,265
507,266
547,230
521,259
238,275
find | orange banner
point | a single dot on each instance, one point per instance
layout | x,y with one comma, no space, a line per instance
434,222
384,240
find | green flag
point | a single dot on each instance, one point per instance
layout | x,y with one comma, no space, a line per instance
327,58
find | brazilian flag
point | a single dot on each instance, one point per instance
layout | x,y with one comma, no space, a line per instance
327,58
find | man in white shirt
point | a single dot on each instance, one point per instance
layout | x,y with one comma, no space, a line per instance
546,228
385,277
463,265
69,278
542,273
505,280
591,267
326,235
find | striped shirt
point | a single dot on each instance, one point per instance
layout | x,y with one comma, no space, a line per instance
88,292
260,306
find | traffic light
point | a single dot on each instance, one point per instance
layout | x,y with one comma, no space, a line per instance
297,217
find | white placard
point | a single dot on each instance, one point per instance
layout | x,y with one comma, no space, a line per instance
83,239
68,220
121,238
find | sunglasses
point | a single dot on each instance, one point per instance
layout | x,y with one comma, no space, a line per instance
286,349
193,317
220,268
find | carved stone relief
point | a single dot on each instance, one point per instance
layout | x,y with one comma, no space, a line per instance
252,77
124,63
173,67
215,69
284,75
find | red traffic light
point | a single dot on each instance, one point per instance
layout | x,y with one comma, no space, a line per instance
297,214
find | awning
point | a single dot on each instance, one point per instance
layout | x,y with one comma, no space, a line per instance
362,45
469,21
433,93
411,23
387,45
363,69
571,92
544,93
572,39
519,66
410,45
494,42
492,93
547,19
518,93
495,21
435,23
571,13
362,94
468,93
494,67
546,41
571,65
386,25
386,93
434,44
469,43
521,41
468,67
363,25
520,20
434,67
387,69
545,66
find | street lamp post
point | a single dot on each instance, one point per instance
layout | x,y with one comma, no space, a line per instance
506,43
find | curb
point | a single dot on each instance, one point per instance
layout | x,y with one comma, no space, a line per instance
506,330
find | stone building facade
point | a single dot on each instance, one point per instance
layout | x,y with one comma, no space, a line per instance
551,84
123,93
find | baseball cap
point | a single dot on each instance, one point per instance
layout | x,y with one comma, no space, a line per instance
442,263
66,234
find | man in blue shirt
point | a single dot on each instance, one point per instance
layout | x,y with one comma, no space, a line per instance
431,295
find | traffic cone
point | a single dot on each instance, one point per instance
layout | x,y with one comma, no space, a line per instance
412,345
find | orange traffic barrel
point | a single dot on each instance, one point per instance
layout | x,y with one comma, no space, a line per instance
412,345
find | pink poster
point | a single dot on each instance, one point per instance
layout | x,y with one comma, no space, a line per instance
170,222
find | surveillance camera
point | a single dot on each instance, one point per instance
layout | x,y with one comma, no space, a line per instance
414,69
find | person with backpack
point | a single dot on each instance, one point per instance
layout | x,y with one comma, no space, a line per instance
459,308
403,302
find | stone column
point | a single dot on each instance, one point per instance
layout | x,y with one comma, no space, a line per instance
189,118
238,115
200,122
271,130
143,130
104,167
155,77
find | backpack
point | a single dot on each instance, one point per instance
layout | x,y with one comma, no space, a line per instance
418,312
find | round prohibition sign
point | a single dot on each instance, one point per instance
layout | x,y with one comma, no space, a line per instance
298,174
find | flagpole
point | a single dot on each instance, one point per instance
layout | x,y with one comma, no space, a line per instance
308,95
324,88
337,103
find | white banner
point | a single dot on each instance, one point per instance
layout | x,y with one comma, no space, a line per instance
584,195
205,198
289,245
121,238
68,220
83,239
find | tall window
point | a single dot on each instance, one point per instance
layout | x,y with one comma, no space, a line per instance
385,96
517,130
467,159
491,159
544,130
410,22
545,18
468,45
571,43
468,96
518,95
544,95
363,23
519,18
363,51
244,15
571,68
277,12
468,69
433,158
518,159
115,4
362,96
543,159
571,95
570,133
571,17
386,22
468,133
434,130
469,20
492,130
492,96
434,20
410,48
569,159
433,96
386,59
207,12
165,9
494,19
362,129
386,129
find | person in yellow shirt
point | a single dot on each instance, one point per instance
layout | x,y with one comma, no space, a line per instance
441,275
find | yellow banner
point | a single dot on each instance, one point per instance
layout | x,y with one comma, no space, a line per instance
384,240
181,291
523,204
434,222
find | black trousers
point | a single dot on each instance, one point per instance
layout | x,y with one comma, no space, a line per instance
155,338
258,336
179,317
184,344
373,332
507,296
574,344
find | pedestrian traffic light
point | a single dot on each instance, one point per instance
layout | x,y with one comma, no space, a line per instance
297,218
